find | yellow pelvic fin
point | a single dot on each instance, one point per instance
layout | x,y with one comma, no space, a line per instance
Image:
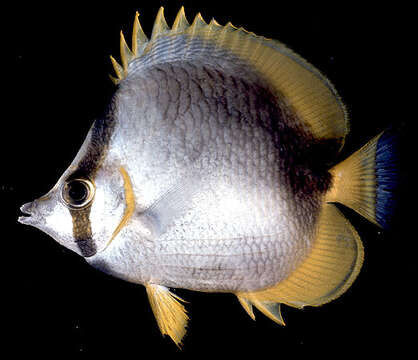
300,85
168,311
328,271
355,183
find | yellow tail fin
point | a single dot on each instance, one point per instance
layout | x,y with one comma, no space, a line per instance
367,180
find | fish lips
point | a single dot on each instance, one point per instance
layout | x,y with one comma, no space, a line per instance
29,217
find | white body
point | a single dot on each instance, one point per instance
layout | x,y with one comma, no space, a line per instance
214,210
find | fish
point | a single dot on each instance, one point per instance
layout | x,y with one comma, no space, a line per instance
216,168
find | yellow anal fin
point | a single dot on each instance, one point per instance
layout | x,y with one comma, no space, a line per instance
328,271
169,313
268,308
247,305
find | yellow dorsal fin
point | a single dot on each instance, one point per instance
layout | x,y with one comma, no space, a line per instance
301,86
139,39
160,25
180,23
126,54
168,311
198,25
329,270
118,70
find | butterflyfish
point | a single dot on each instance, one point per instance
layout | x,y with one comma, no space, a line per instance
214,170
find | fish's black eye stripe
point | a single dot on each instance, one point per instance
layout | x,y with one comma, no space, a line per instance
87,168
82,231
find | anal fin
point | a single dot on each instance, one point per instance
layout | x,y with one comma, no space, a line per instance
326,273
268,308
247,305
169,313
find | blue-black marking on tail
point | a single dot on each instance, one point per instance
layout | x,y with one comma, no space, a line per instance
387,177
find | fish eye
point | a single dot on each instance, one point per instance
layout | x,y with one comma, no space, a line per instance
77,193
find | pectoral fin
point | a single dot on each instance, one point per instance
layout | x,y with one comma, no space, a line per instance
168,311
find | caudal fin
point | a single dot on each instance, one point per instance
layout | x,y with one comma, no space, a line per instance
367,180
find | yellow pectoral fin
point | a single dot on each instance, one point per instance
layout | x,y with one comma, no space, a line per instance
169,313
328,271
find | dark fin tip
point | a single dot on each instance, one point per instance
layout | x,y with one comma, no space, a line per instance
387,177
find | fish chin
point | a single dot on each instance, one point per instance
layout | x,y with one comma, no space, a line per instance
26,220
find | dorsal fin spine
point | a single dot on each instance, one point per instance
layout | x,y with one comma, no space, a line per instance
160,25
117,67
139,39
180,22
197,24
213,24
126,54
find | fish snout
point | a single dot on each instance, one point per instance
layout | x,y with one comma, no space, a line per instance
28,210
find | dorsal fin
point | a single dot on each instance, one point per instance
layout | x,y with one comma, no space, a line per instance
180,23
139,39
160,25
308,93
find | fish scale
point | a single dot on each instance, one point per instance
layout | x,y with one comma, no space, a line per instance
235,141
214,170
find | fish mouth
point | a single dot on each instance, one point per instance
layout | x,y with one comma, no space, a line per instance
27,214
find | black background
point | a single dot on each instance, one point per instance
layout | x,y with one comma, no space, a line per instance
55,66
